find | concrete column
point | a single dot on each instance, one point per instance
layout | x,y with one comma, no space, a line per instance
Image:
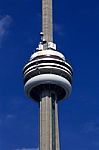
47,21
45,122
57,127
49,134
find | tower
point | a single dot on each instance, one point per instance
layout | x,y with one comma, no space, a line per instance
48,79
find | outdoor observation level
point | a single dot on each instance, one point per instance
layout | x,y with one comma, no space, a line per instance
47,69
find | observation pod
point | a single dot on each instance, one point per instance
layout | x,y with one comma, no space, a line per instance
47,70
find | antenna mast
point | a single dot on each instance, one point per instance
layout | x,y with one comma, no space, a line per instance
47,20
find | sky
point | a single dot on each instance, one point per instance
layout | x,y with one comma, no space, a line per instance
76,33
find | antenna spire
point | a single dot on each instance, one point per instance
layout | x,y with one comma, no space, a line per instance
47,20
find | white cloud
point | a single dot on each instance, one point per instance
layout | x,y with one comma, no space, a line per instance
58,29
10,116
4,25
90,127
28,149
5,118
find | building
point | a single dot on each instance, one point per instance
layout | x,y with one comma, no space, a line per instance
48,79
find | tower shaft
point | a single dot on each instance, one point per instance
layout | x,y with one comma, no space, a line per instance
47,25
49,133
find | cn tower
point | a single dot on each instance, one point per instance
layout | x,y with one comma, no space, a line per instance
47,80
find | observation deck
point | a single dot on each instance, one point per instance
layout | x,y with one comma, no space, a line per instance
47,69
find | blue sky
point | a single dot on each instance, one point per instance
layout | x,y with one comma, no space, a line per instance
76,33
